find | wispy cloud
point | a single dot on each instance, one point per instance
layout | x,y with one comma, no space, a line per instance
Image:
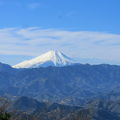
83,44
33,5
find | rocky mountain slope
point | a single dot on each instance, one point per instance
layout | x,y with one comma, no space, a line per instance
25,108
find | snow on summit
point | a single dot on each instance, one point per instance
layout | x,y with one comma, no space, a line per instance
51,58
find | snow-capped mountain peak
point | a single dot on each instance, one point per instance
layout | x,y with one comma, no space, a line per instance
51,58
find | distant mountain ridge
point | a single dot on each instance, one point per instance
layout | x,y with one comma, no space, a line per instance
60,89
51,58
72,85
5,67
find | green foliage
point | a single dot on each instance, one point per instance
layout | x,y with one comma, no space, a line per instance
4,116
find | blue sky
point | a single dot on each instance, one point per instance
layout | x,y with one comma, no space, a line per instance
88,30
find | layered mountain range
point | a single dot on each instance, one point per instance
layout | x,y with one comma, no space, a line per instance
70,84
55,78
25,108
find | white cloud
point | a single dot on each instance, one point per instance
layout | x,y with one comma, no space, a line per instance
83,44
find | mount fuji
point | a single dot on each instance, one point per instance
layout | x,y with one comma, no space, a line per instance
51,58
